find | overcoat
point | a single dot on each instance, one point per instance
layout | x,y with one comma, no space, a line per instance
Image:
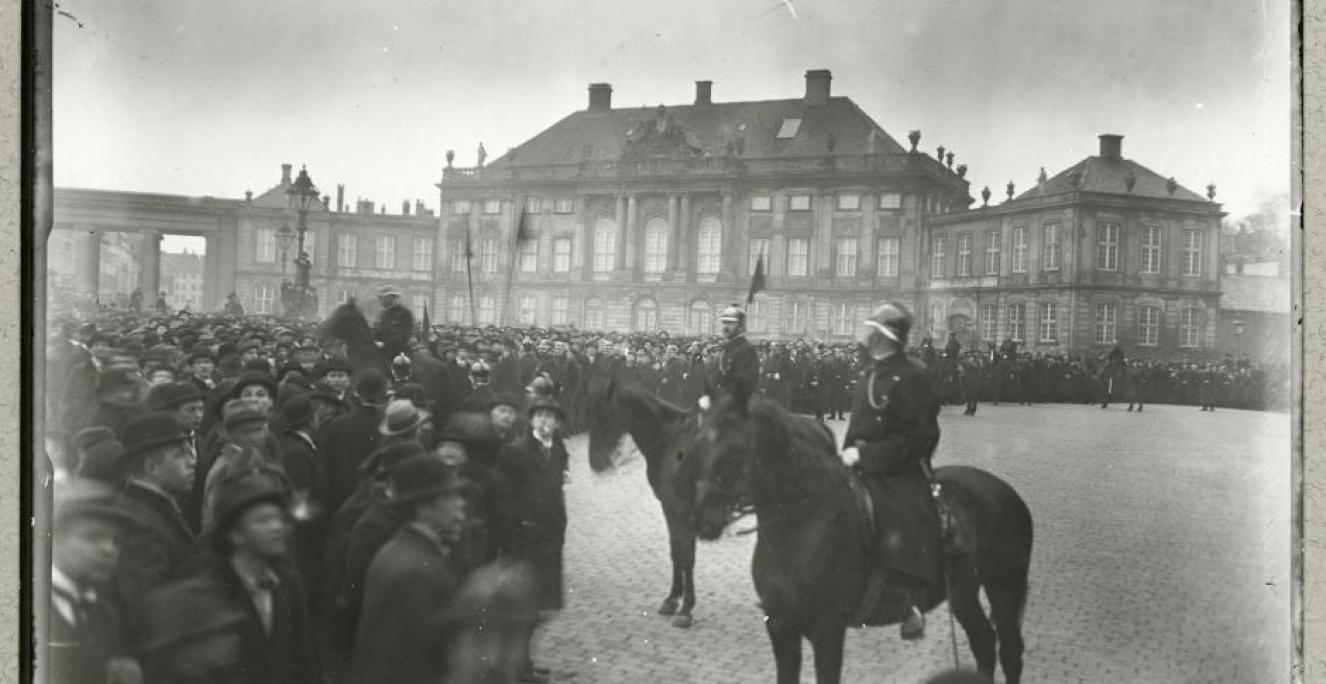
154,551
344,445
537,475
286,655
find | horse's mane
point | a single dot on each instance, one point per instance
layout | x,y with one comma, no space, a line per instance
347,324
619,407
809,445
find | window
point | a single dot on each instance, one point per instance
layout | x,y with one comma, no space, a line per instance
646,315
527,309
890,200
562,255
605,245
460,207
798,250
656,246
1192,253
1107,247
845,257
1051,260
701,319
888,257
992,247
849,202
423,254
964,255
796,318
457,312
798,203
935,323
1049,322
789,128
560,305
710,242
1106,324
344,296
310,241
458,257
263,297
1017,322
757,319
1151,249
761,203
564,205
839,323
346,251
386,252
529,256
533,205
937,258
1019,249
1148,325
989,322
488,255
1188,328
492,206
266,253
487,310
594,314
757,248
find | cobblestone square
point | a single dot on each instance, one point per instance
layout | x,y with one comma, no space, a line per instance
1162,547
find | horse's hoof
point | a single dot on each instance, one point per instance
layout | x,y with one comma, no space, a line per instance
682,621
668,607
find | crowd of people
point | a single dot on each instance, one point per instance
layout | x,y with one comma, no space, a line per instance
237,501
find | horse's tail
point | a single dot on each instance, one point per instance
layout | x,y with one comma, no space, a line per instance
605,426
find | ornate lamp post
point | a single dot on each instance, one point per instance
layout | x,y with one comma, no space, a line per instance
284,238
303,195
1238,335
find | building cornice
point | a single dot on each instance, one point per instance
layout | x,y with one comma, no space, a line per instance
1081,200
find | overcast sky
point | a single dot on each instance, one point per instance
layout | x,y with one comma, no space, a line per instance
209,98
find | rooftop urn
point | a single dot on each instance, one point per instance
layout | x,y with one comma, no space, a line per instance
985,196
915,138
1171,185
1009,189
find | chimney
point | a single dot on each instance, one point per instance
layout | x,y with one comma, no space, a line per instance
285,174
340,197
817,87
600,97
419,208
704,92
1111,146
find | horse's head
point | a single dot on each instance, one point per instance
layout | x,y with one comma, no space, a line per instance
605,427
719,461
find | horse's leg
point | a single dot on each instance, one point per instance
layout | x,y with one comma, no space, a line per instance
1007,600
786,642
685,560
827,642
669,605
965,602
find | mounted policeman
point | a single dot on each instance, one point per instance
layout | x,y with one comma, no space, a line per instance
893,432
395,323
738,366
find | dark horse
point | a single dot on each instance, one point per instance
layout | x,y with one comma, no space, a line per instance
347,325
811,559
664,433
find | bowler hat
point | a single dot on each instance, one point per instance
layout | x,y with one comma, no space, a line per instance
371,385
420,477
297,410
389,291
401,417
338,363
187,611
254,378
148,431
471,428
388,457
246,491
200,351
547,405
170,395
84,498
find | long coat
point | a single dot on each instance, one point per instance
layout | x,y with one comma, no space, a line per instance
344,445
400,639
153,552
536,475
738,367
80,650
395,326
895,442
287,655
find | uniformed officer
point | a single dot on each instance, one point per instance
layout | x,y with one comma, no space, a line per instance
738,367
893,432
395,324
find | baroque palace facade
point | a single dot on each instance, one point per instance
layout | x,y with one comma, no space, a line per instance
653,219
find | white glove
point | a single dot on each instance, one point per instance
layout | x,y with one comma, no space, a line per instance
850,456
704,403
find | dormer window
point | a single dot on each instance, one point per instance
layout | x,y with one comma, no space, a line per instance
789,128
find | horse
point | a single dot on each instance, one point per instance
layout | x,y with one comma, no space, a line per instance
663,432
1113,378
347,325
811,559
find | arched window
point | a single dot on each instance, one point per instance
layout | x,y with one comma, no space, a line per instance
605,245
656,246
701,319
594,314
646,315
709,246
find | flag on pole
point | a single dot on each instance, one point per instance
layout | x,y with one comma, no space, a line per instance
757,281
426,334
523,235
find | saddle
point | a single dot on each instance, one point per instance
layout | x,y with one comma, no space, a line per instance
951,529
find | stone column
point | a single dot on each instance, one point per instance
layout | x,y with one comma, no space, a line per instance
150,275
87,262
729,242
674,238
684,249
630,242
212,298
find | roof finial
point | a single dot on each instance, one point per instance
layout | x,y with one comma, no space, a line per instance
962,170
985,196
940,154
1043,177
1210,191
1009,189
915,138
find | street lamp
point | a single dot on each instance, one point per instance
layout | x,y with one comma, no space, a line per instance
284,237
1238,335
303,194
